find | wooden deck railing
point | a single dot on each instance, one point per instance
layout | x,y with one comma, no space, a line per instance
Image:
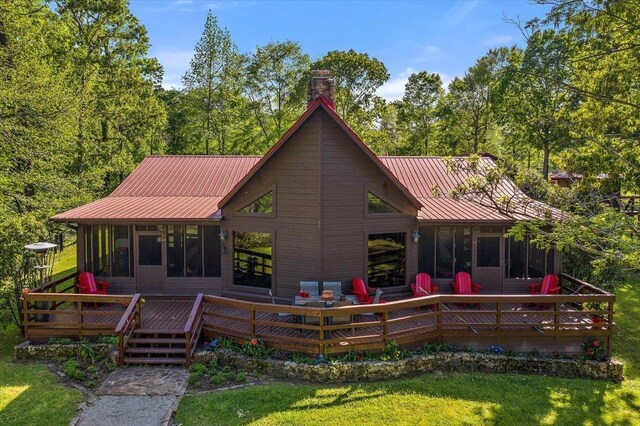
70,315
373,326
193,327
65,284
128,323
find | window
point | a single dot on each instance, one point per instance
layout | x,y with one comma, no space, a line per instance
175,251
121,251
193,251
488,252
252,261
378,206
444,250
108,250
149,250
263,205
386,259
525,260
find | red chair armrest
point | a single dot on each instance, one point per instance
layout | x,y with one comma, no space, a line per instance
413,288
434,288
475,287
555,290
534,288
102,286
371,290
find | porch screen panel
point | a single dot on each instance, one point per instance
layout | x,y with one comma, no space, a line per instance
121,251
211,251
463,249
175,251
193,247
516,258
488,252
252,259
101,250
426,251
88,261
444,252
537,259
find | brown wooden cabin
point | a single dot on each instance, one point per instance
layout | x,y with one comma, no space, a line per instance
318,206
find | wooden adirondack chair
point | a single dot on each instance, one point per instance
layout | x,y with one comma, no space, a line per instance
424,287
363,293
87,284
549,285
464,285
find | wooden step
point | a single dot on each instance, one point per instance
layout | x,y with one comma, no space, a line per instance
157,340
164,331
154,361
155,351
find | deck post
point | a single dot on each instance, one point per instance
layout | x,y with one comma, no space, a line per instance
252,321
498,319
25,317
439,321
138,315
321,333
610,327
556,320
80,317
385,327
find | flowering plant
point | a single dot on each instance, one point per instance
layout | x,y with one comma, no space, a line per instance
255,348
495,349
593,349
210,346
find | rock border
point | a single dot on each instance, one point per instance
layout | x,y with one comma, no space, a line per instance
28,351
341,372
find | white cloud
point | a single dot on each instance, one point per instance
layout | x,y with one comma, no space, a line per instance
459,11
175,63
498,40
393,89
432,49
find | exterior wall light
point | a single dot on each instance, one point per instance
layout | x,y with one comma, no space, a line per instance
223,235
415,235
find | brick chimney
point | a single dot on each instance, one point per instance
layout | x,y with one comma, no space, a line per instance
321,84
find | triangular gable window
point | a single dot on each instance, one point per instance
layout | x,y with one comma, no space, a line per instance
378,205
263,205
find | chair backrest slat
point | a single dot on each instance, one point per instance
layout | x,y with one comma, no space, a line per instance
335,286
423,284
463,282
311,286
549,282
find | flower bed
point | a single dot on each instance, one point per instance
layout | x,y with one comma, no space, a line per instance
396,362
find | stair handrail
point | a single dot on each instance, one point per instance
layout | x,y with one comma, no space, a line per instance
129,321
193,327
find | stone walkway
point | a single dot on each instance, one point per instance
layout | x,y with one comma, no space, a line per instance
135,396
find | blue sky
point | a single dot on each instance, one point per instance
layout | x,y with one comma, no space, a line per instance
407,36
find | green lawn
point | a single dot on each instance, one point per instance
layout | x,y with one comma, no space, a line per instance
29,393
449,399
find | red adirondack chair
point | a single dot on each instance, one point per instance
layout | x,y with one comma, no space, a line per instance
424,287
464,285
549,285
87,284
363,293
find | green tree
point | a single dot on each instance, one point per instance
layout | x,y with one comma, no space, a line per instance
275,86
419,110
357,77
213,84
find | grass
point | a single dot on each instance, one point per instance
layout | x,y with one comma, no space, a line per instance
443,399
29,393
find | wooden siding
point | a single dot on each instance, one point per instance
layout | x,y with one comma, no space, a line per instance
293,172
347,175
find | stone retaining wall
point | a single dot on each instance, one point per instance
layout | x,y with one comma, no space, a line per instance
446,361
28,351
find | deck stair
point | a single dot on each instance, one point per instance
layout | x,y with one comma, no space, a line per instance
149,346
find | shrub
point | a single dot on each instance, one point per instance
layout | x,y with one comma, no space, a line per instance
196,372
109,340
241,377
593,349
61,341
256,348
72,370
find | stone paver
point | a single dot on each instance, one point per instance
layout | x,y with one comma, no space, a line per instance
135,396
143,381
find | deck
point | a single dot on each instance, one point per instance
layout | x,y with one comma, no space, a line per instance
521,323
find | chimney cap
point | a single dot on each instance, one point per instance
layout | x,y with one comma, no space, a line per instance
321,73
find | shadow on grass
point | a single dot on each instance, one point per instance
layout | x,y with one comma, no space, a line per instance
435,398
29,393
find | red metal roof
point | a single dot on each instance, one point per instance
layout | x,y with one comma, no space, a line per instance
194,187
431,180
168,187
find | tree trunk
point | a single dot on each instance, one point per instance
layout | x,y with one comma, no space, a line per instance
545,161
